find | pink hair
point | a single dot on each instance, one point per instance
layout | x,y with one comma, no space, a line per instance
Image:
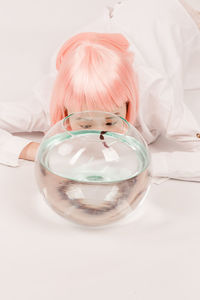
95,71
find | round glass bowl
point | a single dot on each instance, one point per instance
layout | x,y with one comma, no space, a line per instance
92,168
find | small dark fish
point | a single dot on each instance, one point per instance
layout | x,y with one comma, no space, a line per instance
105,145
102,138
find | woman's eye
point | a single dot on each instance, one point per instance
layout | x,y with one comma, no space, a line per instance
111,123
86,126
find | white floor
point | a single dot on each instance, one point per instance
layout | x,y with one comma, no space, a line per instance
155,256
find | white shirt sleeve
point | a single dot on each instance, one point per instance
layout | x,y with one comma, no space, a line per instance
184,162
164,113
23,116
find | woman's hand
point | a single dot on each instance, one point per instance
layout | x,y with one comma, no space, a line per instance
29,152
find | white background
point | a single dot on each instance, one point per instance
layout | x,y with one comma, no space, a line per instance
30,33
42,256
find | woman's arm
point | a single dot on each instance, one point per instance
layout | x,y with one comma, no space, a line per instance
26,116
29,151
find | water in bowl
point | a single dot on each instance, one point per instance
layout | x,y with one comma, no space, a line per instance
93,177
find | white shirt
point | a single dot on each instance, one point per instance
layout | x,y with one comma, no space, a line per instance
166,44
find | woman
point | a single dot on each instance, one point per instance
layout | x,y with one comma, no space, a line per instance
137,65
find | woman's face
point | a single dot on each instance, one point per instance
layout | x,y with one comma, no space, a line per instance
91,122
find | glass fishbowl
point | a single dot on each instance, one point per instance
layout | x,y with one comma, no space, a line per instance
93,168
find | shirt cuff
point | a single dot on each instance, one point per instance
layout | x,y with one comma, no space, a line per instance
159,166
10,151
177,165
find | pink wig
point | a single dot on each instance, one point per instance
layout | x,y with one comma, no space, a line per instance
94,71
